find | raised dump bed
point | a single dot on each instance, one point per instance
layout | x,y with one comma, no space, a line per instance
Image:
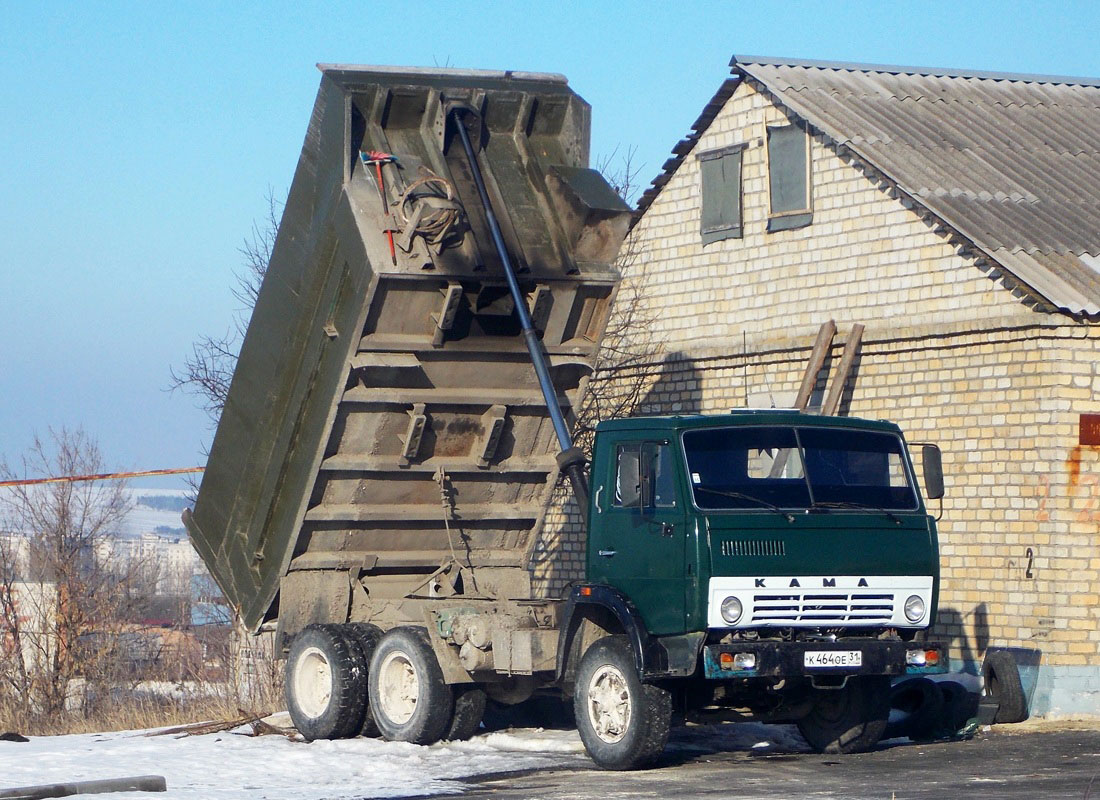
384,434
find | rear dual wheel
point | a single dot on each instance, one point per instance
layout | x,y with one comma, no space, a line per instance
409,697
348,680
326,681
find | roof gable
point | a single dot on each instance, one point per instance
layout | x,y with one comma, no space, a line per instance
1009,162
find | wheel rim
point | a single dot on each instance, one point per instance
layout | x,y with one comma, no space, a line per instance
313,682
609,706
398,688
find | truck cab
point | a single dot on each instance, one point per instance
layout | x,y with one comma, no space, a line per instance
778,561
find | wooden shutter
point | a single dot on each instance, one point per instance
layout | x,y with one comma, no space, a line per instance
720,173
788,177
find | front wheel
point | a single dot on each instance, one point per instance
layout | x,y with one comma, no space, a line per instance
623,722
848,720
408,696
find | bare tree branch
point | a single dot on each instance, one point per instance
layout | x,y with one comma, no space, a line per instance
66,586
616,387
207,372
621,172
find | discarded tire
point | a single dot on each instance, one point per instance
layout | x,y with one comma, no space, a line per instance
408,696
1001,683
325,683
959,706
921,700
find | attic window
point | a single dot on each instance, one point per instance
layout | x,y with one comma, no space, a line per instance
788,178
720,173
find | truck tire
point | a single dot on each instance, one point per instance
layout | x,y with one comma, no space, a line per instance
1001,683
366,636
848,720
325,683
469,711
408,696
623,722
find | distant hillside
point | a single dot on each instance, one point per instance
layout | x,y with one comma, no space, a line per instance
163,502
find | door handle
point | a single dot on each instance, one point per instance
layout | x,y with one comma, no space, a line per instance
667,528
599,492
607,553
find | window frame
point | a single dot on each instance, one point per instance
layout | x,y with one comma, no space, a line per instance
794,218
639,448
732,230
913,486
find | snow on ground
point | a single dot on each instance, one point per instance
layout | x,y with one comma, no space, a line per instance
231,766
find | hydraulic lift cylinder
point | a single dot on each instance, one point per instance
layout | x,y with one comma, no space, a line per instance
569,459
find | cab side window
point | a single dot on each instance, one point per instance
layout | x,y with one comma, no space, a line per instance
628,485
664,487
631,461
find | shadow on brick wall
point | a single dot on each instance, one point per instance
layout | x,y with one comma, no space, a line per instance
557,557
844,409
676,389
953,628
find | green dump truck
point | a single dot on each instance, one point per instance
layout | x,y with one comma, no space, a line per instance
401,413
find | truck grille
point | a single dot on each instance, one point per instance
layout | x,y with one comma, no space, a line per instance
822,608
754,547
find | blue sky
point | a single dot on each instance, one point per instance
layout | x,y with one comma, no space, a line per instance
139,142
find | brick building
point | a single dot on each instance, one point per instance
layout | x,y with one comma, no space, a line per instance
956,216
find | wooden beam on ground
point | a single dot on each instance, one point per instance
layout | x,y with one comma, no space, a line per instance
141,783
837,382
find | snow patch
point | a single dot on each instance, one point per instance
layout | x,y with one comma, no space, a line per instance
227,766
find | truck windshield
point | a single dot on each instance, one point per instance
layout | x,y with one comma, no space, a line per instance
797,468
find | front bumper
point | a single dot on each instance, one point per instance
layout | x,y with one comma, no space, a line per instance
772,659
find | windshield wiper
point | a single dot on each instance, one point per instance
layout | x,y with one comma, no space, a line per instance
826,504
750,498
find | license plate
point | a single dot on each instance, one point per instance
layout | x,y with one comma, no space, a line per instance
832,658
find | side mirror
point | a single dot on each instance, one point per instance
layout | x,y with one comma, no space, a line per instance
932,460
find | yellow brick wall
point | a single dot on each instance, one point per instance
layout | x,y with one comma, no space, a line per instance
950,354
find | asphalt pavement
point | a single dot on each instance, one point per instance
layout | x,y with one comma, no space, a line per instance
1044,761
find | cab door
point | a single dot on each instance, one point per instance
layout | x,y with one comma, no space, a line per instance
637,539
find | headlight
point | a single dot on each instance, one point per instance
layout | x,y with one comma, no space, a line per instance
914,608
731,610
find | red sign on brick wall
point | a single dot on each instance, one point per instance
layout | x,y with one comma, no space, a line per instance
1090,429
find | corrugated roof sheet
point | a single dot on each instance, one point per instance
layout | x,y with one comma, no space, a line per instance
1010,162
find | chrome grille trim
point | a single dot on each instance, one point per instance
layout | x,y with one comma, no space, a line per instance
822,607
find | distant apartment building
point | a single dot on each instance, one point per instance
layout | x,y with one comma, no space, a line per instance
170,559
